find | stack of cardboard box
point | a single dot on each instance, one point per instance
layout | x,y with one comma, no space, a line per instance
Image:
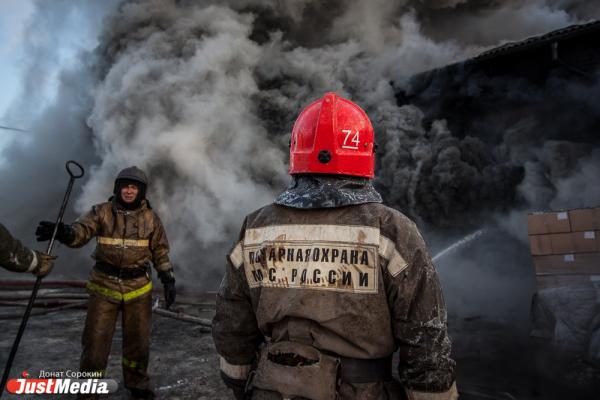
565,246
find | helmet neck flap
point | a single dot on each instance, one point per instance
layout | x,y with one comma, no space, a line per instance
327,191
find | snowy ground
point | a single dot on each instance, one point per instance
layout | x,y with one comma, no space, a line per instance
184,364
494,361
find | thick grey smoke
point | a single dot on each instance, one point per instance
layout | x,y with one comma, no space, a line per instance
52,38
491,22
55,101
445,180
203,95
579,189
177,102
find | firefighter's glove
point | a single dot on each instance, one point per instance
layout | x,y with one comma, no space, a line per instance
44,264
168,280
64,233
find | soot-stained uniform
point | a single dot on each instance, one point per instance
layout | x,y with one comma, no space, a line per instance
127,241
353,281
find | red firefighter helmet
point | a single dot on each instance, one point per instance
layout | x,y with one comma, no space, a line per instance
333,136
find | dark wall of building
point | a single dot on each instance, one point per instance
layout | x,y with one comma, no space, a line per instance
551,79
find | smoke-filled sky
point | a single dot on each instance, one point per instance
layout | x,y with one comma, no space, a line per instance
203,94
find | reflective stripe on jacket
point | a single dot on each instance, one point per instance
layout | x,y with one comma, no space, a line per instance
356,281
125,239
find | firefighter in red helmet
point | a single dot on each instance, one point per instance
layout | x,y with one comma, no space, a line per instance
324,285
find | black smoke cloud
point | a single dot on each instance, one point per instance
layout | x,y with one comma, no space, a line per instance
203,95
441,179
509,144
491,22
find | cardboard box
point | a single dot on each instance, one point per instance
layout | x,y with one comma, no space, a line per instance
565,243
555,281
562,243
541,245
586,242
583,219
582,263
551,222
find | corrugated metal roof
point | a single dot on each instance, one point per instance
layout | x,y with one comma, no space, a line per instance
513,47
559,34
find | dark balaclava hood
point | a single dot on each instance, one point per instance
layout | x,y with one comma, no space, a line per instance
309,191
120,184
131,176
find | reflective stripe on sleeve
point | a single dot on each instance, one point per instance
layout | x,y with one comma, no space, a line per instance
387,250
94,287
34,262
237,255
235,371
122,242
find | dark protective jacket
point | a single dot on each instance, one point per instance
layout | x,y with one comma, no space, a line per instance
128,239
355,281
13,255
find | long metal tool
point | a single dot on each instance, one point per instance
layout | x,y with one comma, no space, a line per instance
13,351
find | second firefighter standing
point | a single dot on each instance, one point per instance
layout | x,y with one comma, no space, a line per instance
130,237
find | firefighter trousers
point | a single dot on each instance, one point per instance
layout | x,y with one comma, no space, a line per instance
97,337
